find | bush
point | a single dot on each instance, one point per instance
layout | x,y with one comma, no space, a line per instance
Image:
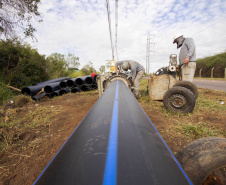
5,93
206,64
75,74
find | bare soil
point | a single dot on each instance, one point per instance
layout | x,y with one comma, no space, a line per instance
29,150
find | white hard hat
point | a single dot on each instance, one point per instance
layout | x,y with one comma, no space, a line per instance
125,66
176,37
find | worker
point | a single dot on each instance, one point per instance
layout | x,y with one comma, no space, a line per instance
94,75
137,71
187,56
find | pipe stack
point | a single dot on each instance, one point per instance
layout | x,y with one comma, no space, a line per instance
60,86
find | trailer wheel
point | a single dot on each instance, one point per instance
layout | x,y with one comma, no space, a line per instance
189,85
179,99
204,161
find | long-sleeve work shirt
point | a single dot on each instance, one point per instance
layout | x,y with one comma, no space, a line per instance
135,67
187,51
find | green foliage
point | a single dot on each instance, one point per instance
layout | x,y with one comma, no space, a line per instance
59,63
102,68
72,61
206,64
88,69
75,74
199,130
213,61
5,93
204,103
20,64
18,14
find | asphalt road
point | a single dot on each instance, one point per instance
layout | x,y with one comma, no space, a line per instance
218,85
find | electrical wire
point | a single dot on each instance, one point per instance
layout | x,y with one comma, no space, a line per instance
209,26
109,23
116,27
202,30
190,21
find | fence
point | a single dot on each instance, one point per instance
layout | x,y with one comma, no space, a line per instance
211,72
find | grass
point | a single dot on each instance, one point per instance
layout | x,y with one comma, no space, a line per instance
34,117
22,120
208,101
205,103
199,130
5,93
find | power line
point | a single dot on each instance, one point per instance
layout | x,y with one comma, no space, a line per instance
201,30
189,21
109,23
116,27
209,26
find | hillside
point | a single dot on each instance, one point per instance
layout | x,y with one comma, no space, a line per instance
206,64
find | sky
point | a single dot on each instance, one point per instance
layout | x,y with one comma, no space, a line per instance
81,27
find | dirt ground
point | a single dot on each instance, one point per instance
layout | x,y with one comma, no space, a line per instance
29,150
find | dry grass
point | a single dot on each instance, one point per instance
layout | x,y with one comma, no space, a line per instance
207,119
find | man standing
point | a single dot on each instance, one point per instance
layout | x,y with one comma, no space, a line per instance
187,56
137,71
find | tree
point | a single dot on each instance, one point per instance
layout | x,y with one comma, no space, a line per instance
57,66
18,14
72,61
88,69
20,65
102,68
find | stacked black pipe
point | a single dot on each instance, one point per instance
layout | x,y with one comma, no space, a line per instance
60,86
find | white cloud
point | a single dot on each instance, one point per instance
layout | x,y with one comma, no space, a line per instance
81,27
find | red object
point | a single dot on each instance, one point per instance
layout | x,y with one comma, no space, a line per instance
93,74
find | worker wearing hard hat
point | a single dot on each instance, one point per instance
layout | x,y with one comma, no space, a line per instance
137,71
187,56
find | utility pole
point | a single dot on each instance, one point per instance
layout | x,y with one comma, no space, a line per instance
152,51
149,51
148,54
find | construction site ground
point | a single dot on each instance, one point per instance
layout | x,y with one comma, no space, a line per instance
31,132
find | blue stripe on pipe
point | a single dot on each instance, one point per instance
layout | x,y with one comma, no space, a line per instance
110,174
178,164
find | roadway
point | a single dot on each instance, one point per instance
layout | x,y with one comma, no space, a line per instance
219,85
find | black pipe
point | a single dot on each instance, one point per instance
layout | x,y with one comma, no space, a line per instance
32,90
88,80
53,94
49,88
63,91
84,87
75,89
93,86
71,83
53,80
79,81
63,84
115,135
37,97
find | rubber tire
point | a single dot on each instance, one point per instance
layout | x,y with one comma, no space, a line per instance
201,157
189,85
187,94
